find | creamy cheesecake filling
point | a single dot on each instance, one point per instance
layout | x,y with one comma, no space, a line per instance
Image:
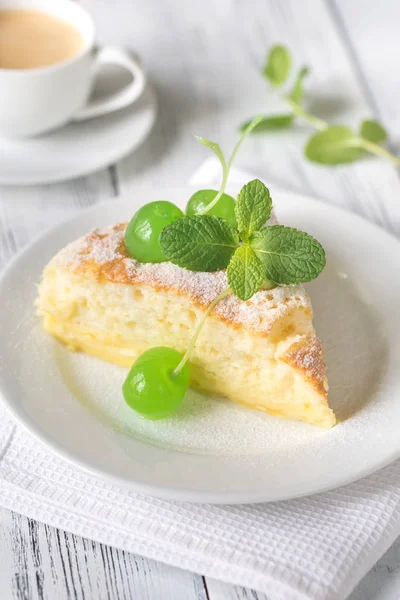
273,387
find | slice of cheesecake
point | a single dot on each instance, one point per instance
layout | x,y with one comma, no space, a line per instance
262,353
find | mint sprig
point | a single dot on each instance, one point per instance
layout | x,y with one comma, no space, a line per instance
288,255
253,208
333,144
226,166
373,131
199,242
255,254
245,272
214,147
270,123
297,93
277,65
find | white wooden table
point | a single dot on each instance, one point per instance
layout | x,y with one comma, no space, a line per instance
204,58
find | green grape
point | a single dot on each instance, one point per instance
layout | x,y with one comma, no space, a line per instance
143,232
151,388
225,207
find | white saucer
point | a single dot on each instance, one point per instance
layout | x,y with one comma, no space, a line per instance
213,450
78,148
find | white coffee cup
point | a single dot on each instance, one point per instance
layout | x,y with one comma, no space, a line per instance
33,101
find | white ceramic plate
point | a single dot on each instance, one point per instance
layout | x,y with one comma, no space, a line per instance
214,450
78,148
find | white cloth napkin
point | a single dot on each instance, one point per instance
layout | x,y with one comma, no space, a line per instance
314,548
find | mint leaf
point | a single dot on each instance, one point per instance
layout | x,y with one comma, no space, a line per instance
245,272
277,65
334,145
214,147
271,123
199,242
253,208
373,131
289,256
297,93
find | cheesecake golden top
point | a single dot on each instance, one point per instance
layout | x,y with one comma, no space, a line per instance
101,254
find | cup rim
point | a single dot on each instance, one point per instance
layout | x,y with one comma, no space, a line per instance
39,6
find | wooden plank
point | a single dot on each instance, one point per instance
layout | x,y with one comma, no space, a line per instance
375,60
37,561
42,563
383,581
218,590
372,35
205,62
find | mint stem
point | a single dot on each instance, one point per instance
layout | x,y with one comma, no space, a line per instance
227,167
379,151
196,334
358,142
299,112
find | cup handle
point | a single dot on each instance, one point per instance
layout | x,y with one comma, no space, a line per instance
122,98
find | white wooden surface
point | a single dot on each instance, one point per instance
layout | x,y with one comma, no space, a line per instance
204,59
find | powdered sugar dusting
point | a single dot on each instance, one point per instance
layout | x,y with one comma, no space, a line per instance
202,425
102,252
101,246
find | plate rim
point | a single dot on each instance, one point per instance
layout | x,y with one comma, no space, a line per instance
172,493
